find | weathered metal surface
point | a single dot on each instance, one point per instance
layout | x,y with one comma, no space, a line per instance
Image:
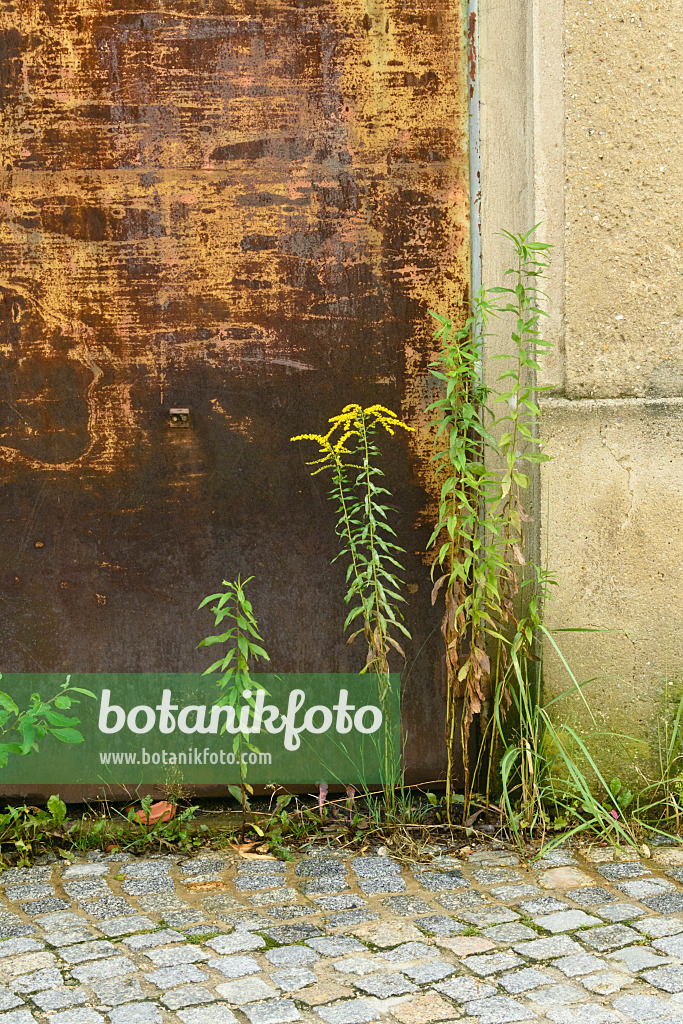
245,213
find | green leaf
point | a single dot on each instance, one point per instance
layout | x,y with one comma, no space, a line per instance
67,735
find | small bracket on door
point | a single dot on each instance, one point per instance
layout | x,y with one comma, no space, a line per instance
179,417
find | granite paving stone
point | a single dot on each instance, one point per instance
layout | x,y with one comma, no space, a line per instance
583,1013
423,1009
375,867
547,949
250,882
385,985
117,967
95,950
606,982
441,881
616,872
637,958
146,886
323,992
171,977
320,867
464,989
19,876
173,956
591,894
216,1014
672,945
581,963
246,990
489,916
290,979
162,903
268,866
70,936
13,947
271,1011
81,1015
556,859
50,977
566,921
80,871
184,917
10,1000
427,974
237,942
61,919
640,887
497,1010
44,906
381,884
619,912
458,900
87,889
291,956
350,902
524,980
492,964
163,937
336,945
59,998
642,1007
197,865
357,965
285,934
496,876
234,966
109,906
136,1013
33,891
186,995
350,918
669,979
514,893
18,1017
658,927
273,897
666,903
543,905
147,868
323,886
610,937
440,924
557,995
350,1011
115,991
408,951
406,906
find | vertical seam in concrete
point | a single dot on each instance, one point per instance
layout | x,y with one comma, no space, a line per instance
548,86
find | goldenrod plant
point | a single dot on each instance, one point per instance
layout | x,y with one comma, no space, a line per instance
235,683
484,437
349,452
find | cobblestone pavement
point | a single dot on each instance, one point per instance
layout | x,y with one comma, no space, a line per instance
218,939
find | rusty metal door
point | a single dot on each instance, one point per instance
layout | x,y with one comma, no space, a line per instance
244,213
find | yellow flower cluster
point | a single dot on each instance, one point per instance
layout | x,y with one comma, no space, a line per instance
350,421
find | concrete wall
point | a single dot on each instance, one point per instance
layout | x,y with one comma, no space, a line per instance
580,129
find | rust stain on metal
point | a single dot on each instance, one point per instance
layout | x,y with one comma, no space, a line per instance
245,212
472,50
